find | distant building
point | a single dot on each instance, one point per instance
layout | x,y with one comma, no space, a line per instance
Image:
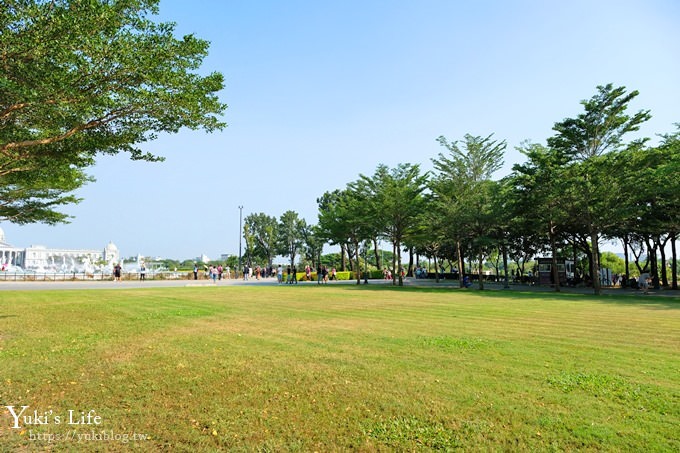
40,258
565,271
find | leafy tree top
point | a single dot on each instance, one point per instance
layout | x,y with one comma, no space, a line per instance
85,77
601,127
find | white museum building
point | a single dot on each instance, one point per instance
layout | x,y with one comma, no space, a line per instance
42,259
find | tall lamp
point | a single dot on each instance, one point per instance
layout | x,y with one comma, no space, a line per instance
240,234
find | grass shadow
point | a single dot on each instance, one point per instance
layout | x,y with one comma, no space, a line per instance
649,301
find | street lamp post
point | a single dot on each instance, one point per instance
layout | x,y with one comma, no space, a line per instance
240,235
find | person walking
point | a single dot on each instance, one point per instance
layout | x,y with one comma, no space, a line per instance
643,282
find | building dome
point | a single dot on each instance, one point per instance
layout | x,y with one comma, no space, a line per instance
111,253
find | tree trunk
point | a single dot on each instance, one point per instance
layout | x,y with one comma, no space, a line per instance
674,262
377,254
591,266
401,279
637,255
436,269
597,288
409,273
394,264
506,284
358,265
575,257
662,251
654,269
461,265
625,256
553,266
343,263
479,270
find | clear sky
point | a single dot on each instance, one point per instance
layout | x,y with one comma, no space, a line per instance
320,92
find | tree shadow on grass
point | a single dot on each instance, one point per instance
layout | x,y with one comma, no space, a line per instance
651,301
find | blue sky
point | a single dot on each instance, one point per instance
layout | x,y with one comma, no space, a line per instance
320,92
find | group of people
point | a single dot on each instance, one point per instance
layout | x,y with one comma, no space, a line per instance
322,274
642,282
218,272
256,272
387,273
213,273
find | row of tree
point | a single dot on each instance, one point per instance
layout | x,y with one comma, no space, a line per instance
585,185
118,78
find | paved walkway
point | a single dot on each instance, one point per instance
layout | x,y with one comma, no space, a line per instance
411,282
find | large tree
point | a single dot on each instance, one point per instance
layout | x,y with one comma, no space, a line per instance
651,190
290,234
597,131
331,225
539,198
668,183
79,78
396,202
313,242
263,230
345,218
468,168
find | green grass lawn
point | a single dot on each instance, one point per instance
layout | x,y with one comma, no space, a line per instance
333,368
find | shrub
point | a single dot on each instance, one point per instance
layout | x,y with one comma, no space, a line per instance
344,275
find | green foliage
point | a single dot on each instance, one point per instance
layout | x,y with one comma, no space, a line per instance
395,204
463,181
614,262
343,275
261,232
79,78
345,217
290,234
35,194
584,142
601,128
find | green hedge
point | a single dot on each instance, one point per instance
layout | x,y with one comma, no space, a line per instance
301,277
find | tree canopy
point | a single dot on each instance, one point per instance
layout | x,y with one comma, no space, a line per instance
115,80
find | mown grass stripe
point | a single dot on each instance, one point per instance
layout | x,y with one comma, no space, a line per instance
339,368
